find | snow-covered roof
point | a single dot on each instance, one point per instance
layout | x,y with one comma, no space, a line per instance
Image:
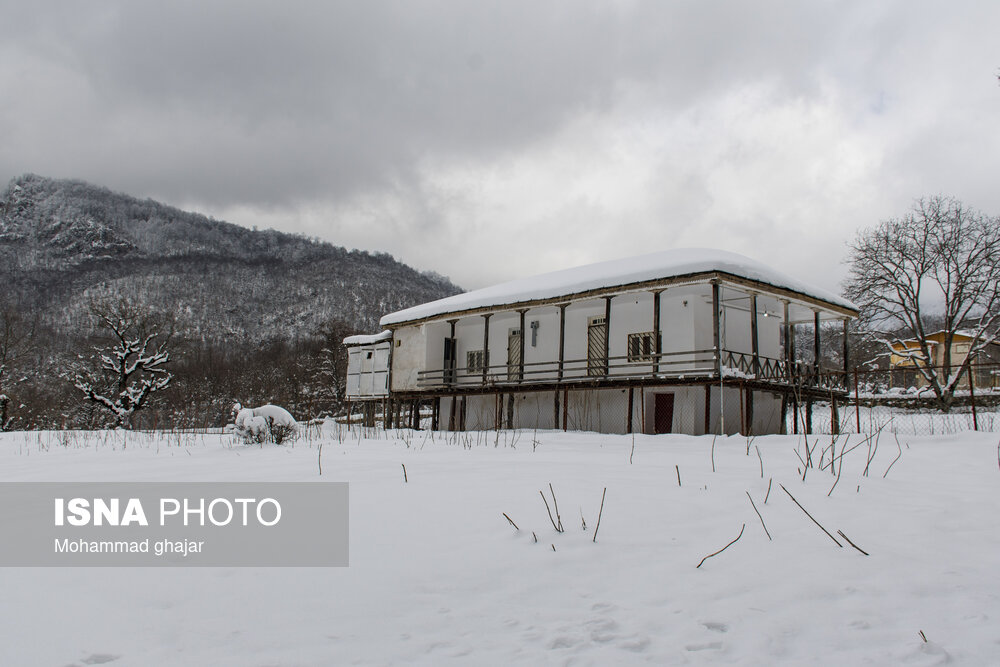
368,339
940,334
664,265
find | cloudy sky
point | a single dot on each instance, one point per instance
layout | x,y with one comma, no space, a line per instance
491,140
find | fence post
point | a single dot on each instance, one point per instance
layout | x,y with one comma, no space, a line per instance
972,398
834,416
743,418
857,400
565,409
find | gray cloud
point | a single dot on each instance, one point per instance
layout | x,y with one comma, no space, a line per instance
421,128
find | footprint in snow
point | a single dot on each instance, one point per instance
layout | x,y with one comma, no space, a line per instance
603,630
715,626
636,644
710,646
99,658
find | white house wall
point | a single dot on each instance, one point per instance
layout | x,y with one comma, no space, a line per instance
701,304
578,316
734,323
411,353
542,359
501,324
630,314
468,338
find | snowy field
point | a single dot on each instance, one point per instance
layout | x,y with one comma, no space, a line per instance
438,575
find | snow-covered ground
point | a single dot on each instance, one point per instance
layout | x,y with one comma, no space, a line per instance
438,575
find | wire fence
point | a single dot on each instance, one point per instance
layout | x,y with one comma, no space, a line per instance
903,400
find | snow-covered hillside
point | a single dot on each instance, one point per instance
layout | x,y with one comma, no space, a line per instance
439,576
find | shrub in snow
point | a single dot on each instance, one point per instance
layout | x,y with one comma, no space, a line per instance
268,423
255,429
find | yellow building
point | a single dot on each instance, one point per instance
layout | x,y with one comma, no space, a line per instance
905,371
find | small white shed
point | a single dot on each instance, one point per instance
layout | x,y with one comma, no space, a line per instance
368,366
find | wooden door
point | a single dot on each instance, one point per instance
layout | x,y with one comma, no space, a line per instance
450,350
514,355
663,413
597,338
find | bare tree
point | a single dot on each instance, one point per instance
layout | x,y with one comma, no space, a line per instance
131,366
938,264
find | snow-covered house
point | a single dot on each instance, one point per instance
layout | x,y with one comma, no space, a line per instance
963,343
689,340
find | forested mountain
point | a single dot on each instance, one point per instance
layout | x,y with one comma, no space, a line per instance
254,315
64,242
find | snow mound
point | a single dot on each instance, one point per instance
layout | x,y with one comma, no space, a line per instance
268,423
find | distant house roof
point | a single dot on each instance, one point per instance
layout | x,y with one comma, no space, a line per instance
664,265
936,338
368,339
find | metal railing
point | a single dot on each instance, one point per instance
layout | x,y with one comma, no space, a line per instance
695,364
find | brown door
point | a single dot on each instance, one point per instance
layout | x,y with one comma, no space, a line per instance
597,337
663,411
514,355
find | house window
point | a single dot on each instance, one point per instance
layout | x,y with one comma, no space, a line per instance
474,361
962,348
640,346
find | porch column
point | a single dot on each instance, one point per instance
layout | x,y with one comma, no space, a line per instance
607,335
789,342
520,361
388,370
847,355
715,328
657,343
486,346
450,363
562,338
816,346
754,343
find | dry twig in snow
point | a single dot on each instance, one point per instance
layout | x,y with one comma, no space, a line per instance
811,517
599,513
898,456
841,533
766,531
723,548
553,521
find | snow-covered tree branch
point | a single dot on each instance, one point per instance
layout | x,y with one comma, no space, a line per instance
132,365
938,263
